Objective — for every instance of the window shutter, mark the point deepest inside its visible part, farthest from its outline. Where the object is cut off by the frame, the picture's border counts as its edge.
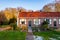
(20, 21)
(34, 21)
(39, 21)
(25, 21)
(50, 21)
(59, 21)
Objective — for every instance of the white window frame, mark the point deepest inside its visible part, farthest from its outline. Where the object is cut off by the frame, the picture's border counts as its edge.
(45, 19)
(38, 21)
(17, 21)
(22, 20)
(54, 19)
(59, 21)
(50, 21)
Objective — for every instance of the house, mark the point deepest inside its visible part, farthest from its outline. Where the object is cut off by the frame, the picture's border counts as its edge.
(34, 19)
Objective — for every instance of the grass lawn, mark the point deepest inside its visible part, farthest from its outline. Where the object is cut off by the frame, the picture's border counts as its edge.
(48, 34)
(12, 35)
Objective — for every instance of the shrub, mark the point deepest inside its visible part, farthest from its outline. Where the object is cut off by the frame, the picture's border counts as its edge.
(44, 25)
(12, 20)
(13, 25)
(5, 22)
(35, 29)
(18, 28)
(24, 28)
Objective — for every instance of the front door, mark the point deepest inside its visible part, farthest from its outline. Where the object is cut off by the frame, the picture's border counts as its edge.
(55, 24)
(29, 24)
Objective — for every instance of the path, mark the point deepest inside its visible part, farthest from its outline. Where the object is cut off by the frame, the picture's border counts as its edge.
(29, 34)
(6, 28)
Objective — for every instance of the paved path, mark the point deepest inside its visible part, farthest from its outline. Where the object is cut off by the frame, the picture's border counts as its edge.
(29, 34)
(6, 28)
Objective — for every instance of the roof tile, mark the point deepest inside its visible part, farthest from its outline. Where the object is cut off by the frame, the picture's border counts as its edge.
(39, 14)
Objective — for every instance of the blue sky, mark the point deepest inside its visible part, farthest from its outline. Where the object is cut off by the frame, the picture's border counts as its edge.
(27, 4)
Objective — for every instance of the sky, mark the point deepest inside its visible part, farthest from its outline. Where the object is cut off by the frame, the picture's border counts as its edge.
(27, 4)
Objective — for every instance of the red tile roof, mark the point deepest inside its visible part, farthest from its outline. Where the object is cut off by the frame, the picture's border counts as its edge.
(39, 14)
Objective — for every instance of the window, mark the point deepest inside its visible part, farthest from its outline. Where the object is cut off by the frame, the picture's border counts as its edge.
(55, 23)
(54, 19)
(36, 21)
(22, 21)
(30, 23)
(59, 21)
(48, 20)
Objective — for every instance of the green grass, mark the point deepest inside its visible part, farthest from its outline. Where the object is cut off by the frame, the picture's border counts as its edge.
(48, 34)
(12, 35)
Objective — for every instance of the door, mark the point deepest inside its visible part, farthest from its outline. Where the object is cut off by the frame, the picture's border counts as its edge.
(55, 24)
(29, 26)
(29, 23)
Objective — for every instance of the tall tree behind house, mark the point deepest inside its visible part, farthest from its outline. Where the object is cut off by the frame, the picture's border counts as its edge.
(52, 7)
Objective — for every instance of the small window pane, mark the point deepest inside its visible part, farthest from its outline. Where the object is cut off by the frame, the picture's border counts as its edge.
(36, 21)
(22, 21)
(47, 20)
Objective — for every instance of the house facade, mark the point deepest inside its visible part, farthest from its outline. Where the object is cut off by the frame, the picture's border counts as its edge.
(34, 19)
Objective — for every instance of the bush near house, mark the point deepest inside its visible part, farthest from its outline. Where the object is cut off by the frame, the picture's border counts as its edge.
(35, 29)
(12, 23)
(44, 26)
(14, 26)
(24, 28)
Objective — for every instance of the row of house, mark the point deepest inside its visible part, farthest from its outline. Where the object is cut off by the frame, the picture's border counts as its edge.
(34, 19)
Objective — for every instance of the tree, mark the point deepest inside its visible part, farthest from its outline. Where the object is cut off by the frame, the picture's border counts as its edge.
(12, 23)
(10, 13)
(2, 17)
(52, 7)
(20, 9)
